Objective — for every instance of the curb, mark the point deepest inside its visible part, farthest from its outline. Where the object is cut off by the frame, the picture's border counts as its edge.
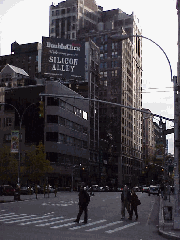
(167, 235)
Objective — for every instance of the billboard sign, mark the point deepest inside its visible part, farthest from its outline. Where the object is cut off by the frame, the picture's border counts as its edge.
(63, 58)
(14, 141)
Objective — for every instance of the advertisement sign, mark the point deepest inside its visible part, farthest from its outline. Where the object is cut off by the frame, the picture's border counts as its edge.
(63, 58)
(14, 141)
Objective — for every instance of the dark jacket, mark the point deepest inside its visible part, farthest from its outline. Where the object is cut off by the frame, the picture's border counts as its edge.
(84, 198)
(128, 196)
(134, 199)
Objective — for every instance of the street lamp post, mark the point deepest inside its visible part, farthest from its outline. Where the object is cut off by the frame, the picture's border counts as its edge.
(20, 124)
(176, 120)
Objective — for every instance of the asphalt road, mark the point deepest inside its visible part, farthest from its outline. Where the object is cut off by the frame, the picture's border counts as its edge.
(52, 218)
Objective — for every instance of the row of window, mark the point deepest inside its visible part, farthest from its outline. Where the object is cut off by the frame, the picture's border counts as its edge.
(60, 103)
(65, 122)
(114, 73)
(6, 122)
(114, 54)
(65, 139)
(64, 159)
(105, 65)
(63, 11)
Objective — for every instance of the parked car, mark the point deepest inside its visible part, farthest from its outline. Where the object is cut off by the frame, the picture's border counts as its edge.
(145, 189)
(8, 190)
(26, 190)
(136, 189)
(95, 188)
(153, 190)
(101, 189)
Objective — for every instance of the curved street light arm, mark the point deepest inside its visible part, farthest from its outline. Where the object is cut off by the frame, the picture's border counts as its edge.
(124, 37)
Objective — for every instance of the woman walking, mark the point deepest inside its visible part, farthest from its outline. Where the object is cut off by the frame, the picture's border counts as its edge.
(134, 203)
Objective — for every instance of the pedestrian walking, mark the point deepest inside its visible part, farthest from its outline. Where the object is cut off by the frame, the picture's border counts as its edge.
(125, 201)
(48, 190)
(162, 190)
(36, 190)
(84, 200)
(55, 191)
(44, 190)
(134, 203)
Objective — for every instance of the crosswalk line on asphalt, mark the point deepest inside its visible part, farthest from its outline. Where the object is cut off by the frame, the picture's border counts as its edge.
(20, 220)
(7, 214)
(67, 224)
(121, 228)
(15, 217)
(51, 223)
(103, 226)
(26, 223)
(39, 221)
(89, 224)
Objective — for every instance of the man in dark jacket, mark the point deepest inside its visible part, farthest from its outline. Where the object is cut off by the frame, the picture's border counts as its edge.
(84, 200)
(125, 199)
(134, 204)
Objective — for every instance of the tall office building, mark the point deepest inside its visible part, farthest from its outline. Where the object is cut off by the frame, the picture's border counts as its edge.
(120, 80)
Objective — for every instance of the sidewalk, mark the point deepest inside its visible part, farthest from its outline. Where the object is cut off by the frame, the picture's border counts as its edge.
(166, 226)
(6, 199)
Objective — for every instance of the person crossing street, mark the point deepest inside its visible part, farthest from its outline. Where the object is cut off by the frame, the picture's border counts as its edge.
(84, 200)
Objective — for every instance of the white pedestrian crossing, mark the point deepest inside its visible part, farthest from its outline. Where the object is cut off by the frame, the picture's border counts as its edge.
(87, 225)
(59, 222)
(104, 226)
(121, 228)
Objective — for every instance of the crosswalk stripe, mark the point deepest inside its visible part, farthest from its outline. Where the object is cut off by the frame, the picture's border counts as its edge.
(121, 228)
(10, 217)
(20, 220)
(67, 224)
(43, 220)
(14, 217)
(64, 225)
(65, 220)
(104, 226)
(46, 224)
(86, 225)
(7, 214)
(26, 223)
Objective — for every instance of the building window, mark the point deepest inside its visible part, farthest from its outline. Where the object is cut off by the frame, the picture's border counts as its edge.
(52, 119)
(52, 101)
(52, 13)
(105, 83)
(114, 54)
(85, 116)
(85, 145)
(62, 11)
(52, 136)
(73, 35)
(69, 107)
(52, 30)
(62, 138)
(7, 137)
(61, 121)
(57, 12)
(101, 56)
(69, 124)
(7, 122)
(105, 74)
(62, 103)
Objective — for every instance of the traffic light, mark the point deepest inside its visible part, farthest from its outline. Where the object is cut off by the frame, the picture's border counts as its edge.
(41, 109)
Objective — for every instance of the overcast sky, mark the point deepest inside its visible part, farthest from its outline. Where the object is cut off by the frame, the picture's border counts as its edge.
(26, 21)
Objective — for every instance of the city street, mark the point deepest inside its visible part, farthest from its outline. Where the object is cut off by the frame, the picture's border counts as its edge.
(52, 218)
